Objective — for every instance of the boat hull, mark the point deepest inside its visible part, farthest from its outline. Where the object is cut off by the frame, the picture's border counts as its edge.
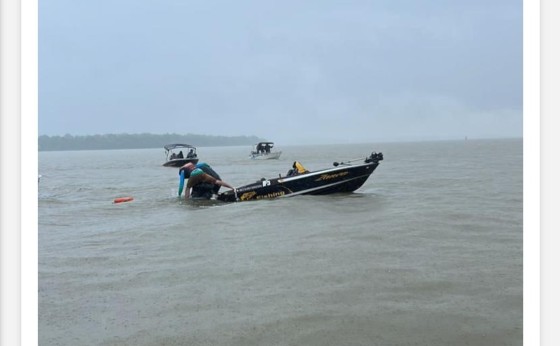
(343, 178)
(265, 156)
(180, 162)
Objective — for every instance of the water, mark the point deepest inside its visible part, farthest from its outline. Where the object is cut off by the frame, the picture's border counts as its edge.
(427, 252)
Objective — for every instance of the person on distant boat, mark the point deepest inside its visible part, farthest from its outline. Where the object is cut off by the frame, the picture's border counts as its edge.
(180, 155)
(173, 156)
(191, 153)
(297, 168)
(267, 148)
(202, 179)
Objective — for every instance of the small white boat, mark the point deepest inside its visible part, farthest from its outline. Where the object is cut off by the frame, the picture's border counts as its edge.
(174, 156)
(263, 151)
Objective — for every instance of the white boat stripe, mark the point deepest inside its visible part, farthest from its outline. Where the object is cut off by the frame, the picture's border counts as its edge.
(323, 186)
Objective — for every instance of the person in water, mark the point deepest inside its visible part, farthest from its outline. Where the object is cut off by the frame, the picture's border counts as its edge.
(202, 179)
(185, 173)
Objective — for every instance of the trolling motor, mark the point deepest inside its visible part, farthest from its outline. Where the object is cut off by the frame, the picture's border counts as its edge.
(374, 157)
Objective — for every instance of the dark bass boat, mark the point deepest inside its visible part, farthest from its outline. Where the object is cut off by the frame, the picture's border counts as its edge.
(343, 177)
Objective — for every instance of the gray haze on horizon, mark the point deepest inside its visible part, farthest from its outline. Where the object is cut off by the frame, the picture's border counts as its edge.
(293, 72)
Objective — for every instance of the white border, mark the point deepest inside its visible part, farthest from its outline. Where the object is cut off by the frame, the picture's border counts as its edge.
(531, 181)
(29, 172)
(10, 178)
(550, 173)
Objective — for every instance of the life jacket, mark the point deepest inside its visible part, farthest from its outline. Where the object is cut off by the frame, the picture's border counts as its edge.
(299, 168)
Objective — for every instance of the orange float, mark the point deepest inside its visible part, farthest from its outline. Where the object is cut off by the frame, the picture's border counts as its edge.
(123, 199)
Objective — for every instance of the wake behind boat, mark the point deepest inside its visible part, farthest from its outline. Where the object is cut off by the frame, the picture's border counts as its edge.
(343, 177)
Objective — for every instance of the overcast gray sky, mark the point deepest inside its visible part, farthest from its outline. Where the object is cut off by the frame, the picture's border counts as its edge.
(295, 72)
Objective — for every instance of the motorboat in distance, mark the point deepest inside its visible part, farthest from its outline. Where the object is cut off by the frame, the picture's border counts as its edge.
(263, 151)
(343, 177)
(176, 155)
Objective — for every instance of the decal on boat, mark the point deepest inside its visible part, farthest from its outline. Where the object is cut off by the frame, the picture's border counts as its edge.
(331, 176)
(247, 195)
(272, 195)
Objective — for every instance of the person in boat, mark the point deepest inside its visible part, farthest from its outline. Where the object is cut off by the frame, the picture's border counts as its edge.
(191, 153)
(202, 179)
(180, 155)
(173, 156)
(267, 148)
(297, 168)
(259, 148)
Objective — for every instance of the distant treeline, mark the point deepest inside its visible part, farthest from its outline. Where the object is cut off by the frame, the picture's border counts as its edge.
(138, 141)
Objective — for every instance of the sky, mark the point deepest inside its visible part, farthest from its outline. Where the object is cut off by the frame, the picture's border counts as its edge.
(294, 72)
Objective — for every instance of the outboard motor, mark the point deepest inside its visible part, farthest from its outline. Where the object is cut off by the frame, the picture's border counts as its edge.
(374, 157)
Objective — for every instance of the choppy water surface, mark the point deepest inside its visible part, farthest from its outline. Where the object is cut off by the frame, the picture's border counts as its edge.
(427, 252)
